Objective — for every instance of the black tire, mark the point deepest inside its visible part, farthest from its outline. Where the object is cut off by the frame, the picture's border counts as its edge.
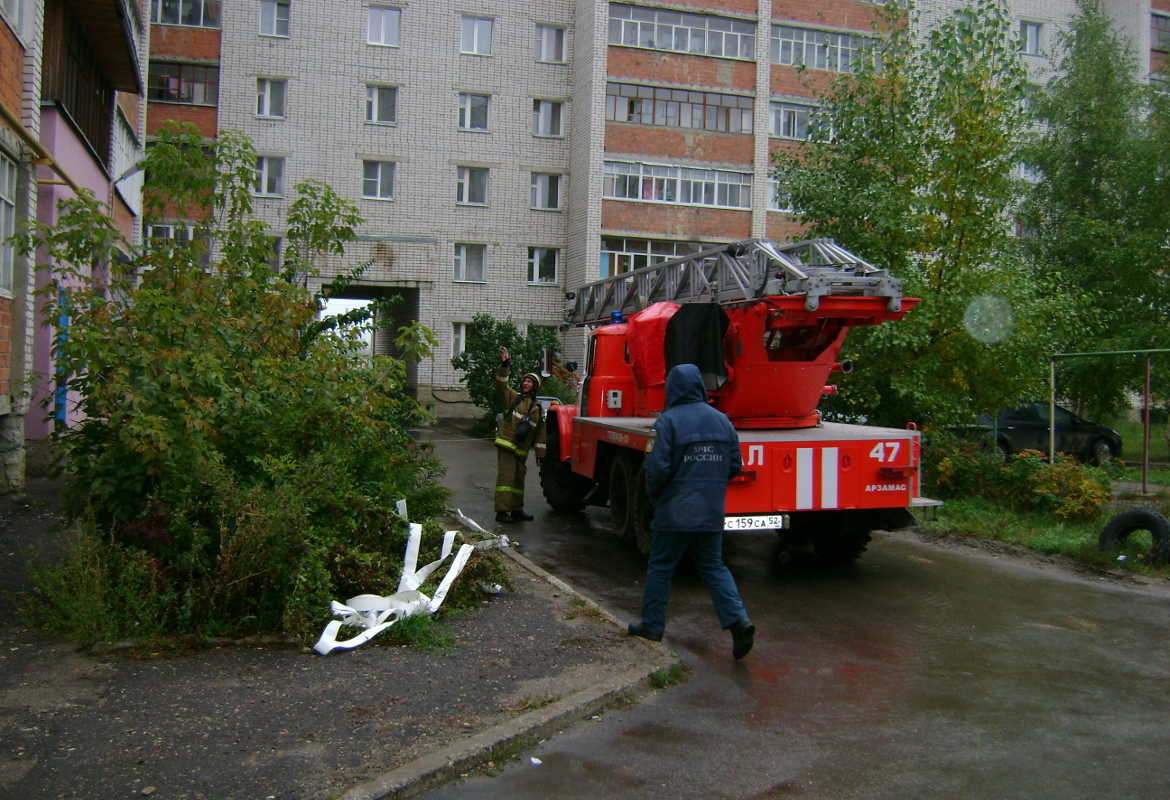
(839, 547)
(1138, 519)
(621, 495)
(563, 489)
(643, 514)
(1101, 452)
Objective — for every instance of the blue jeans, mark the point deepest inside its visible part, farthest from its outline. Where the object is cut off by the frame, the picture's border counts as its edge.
(706, 548)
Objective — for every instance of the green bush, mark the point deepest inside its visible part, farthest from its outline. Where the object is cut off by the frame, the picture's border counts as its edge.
(954, 468)
(237, 464)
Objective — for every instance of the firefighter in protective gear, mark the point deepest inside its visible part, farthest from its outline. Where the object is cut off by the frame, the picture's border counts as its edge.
(521, 429)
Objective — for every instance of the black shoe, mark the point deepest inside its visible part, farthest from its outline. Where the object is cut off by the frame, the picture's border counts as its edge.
(521, 516)
(743, 636)
(504, 516)
(638, 629)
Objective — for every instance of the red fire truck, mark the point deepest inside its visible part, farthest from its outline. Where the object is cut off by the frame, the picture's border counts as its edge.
(765, 323)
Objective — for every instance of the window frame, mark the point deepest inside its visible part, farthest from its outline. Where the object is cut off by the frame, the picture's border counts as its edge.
(543, 29)
(1028, 46)
(650, 251)
(540, 187)
(1160, 34)
(264, 175)
(718, 112)
(690, 32)
(181, 78)
(476, 22)
(466, 109)
(374, 105)
(380, 166)
(540, 117)
(774, 197)
(387, 12)
(276, 6)
(460, 265)
(157, 6)
(534, 264)
(838, 49)
(777, 122)
(645, 182)
(9, 188)
(264, 97)
(464, 185)
(458, 338)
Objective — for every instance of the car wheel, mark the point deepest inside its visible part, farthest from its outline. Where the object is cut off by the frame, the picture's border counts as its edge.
(1101, 453)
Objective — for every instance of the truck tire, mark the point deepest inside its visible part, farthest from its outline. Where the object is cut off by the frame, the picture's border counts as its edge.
(1138, 519)
(840, 547)
(563, 489)
(621, 495)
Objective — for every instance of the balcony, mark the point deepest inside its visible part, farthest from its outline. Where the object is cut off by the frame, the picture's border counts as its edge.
(114, 27)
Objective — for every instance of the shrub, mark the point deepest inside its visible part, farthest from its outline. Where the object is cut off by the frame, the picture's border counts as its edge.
(954, 468)
(237, 465)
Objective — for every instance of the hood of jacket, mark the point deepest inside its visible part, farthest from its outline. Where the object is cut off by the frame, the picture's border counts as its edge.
(684, 384)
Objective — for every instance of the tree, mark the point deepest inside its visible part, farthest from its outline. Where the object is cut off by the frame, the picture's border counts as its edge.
(910, 165)
(480, 359)
(1099, 212)
(237, 466)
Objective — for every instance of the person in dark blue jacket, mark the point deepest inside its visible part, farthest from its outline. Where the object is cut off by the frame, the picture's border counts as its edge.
(695, 454)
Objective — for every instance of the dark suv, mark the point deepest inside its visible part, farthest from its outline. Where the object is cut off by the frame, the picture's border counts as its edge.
(1026, 428)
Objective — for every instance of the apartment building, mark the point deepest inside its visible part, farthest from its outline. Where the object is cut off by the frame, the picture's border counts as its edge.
(72, 119)
(504, 153)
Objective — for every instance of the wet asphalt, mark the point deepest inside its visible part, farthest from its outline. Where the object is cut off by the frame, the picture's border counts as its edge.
(917, 672)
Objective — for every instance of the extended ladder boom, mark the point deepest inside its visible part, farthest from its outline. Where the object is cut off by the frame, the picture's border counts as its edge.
(740, 271)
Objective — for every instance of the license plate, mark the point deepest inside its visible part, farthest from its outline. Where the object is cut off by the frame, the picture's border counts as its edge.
(757, 522)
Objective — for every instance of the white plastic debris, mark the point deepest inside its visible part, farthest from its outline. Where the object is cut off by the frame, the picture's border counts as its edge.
(536, 762)
(375, 613)
(495, 539)
(400, 507)
(1123, 557)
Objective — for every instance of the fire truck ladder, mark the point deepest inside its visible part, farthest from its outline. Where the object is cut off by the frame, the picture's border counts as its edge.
(740, 271)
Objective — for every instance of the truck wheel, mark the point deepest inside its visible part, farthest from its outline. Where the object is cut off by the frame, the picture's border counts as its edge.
(1138, 519)
(840, 547)
(621, 496)
(563, 489)
(1101, 453)
(642, 514)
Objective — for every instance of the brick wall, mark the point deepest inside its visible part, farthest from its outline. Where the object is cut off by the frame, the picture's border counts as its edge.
(833, 13)
(685, 70)
(721, 6)
(674, 222)
(675, 144)
(11, 67)
(202, 117)
(175, 41)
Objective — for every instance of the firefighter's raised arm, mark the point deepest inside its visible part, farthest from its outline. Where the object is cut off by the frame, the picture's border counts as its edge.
(507, 393)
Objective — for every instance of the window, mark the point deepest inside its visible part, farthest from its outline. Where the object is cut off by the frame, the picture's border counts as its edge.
(274, 17)
(1030, 38)
(790, 120)
(678, 108)
(378, 180)
(546, 118)
(778, 199)
(544, 265)
(383, 26)
(1160, 32)
(473, 112)
(14, 10)
(7, 221)
(620, 255)
(469, 262)
(170, 232)
(805, 47)
(545, 192)
(270, 176)
(270, 97)
(477, 36)
(183, 83)
(701, 34)
(458, 338)
(550, 44)
(200, 13)
(471, 186)
(677, 185)
(381, 104)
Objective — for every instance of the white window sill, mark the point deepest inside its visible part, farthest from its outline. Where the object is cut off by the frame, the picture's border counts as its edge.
(267, 196)
(471, 205)
(270, 118)
(548, 136)
(545, 284)
(555, 63)
(380, 124)
(275, 35)
(468, 280)
(382, 199)
(384, 44)
(553, 210)
(469, 53)
(185, 25)
(474, 130)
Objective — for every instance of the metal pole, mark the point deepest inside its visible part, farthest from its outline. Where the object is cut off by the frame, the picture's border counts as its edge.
(1146, 429)
(1052, 411)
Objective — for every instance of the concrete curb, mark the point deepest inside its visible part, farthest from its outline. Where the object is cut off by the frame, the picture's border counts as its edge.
(436, 768)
